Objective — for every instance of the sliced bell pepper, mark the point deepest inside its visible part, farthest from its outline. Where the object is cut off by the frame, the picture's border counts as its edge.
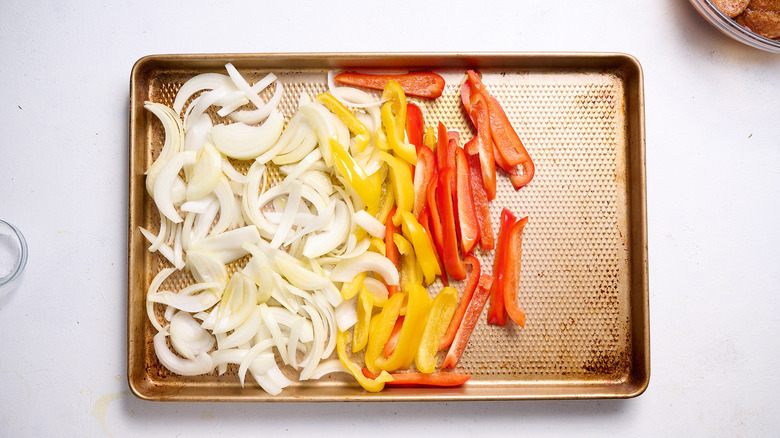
(505, 137)
(391, 251)
(401, 179)
(487, 239)
(365, 186)
(424, 172)
(380, 328)
(365, 305)
(436, 230)
(409, 267)
(465, 299)
(439, 317)
(416, 83)
(479, 113)
(449, 252)
(430, 138)
(411, 331)
(386, 198)
(511, 283)
(355, 126)
(370, 384)
(425, 221)
(393, 114)
(442, 379)
(497, 309)
(349, 290)
(476, 304)
(392, 341)
(415, 126)
(423, 246)
(377, 245)
(445, 149)
(467, 220)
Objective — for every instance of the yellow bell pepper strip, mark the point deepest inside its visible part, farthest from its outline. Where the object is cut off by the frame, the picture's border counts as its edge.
(393, 115)
(411, 332)
(355, 126)
(377, 245)
(391, 251)
(365, 304)
(425, 221)
(386, 201)
(369, 384)
(365, 186)
(349, 290)
(401, 179)
(430, 138)
(439, 317)
(380, 328)
(423, 246)
(442, 379)
(408, 272)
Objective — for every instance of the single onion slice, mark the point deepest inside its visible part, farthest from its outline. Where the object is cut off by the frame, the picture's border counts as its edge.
(369, 261)
(200, 364)
(369, 223)
(247, 142)
(206, 173)
(188, 338)
(164, 183)
(204, 81)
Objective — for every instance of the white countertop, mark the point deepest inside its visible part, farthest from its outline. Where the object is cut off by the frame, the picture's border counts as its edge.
(713, 191)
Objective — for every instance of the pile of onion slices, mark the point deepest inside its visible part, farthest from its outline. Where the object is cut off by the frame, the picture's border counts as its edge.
(263, 260)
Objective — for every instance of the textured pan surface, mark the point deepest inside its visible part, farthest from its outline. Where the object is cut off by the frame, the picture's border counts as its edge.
(584, 269)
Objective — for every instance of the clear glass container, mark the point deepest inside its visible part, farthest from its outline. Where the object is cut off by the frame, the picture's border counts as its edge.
(733, 29)
(13, 256)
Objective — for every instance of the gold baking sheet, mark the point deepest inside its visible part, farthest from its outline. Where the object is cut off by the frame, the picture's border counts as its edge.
(584, 280)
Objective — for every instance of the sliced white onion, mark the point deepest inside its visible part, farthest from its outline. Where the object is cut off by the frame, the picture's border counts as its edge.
(188, 338)
(228, 246)
(164, 183)
(366, 262)
(204, 81)
(369, 223)
(346, 314)
(201, 363)
(205, 174)
(335, 233)
(246, 142)
(260, 114)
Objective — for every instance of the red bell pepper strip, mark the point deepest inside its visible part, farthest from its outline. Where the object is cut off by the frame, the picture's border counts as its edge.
(467, 220)
(436, 229)
(470, 319)
(512, 254)
(478, 111)
(487, 239)
(417, 83)
(508, 143)
(465, 299)
(497, 309)
(452, 261)
(391, 251)
(425, 221)
(424, 172)
(415, 126)
(392, 341)
(422, 379)
(443, 149)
